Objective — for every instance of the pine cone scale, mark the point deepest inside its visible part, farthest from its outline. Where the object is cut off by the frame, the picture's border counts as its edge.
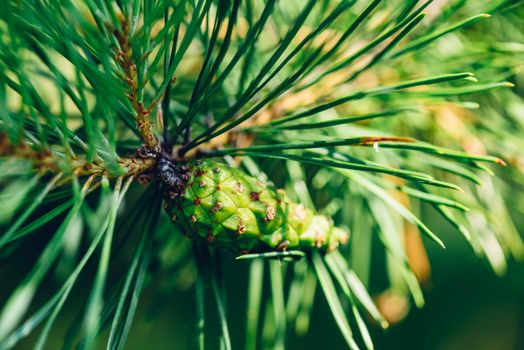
(227, 207)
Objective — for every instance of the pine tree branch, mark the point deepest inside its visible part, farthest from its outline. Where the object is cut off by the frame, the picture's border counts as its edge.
(124, 58)
(45, 160)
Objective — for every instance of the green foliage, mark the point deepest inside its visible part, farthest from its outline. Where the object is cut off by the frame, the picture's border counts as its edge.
(365, 112)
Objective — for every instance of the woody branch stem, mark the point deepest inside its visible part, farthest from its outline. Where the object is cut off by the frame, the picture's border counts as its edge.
(124, 58)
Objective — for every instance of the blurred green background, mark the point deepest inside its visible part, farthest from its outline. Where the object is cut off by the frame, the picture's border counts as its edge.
(467, 307)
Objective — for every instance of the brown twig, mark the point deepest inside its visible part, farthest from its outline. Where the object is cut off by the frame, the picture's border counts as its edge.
(47, 161)
(124, 58)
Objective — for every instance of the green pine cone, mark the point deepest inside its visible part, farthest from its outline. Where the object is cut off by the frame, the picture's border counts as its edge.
(227, 207)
